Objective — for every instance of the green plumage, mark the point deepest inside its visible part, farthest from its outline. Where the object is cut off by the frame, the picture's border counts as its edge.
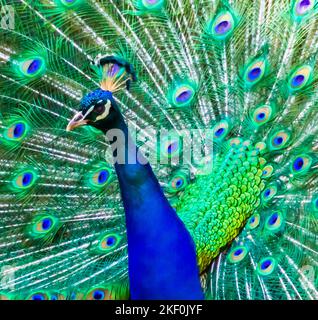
(215, 208)
(246, 71)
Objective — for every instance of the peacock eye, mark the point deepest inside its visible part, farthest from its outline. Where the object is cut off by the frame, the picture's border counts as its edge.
(266, 266)
(108, 242)
(38, 296)
(42, 226)
(237, 254)
(99, 109)
(99, 293)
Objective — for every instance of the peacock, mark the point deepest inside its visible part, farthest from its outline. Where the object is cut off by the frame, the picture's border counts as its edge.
(158, 149)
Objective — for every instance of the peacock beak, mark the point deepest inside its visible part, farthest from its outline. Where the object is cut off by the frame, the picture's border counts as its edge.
(77, 121)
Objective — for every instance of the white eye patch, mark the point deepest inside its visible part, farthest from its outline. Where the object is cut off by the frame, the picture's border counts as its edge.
(106, 112)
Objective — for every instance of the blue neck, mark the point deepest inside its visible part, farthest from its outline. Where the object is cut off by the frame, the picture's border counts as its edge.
(161, 252)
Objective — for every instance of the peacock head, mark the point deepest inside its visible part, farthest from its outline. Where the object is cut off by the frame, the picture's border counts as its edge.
(98, 109)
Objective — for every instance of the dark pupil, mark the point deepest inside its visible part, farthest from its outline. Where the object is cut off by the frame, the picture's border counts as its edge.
(219, 132)
(238, 252)
(305, 3)
(19, 130)
(273, 219)
(298, 80)
(27, 178)
(34, 66)
(179, 182)
(298, 164)
(98, 295)
(265, 264)
(279, 140)
(184, 96)
(222, 27)
(46, 224)
(99, 109)
(110, 241)
(254, 73)
(102, 178)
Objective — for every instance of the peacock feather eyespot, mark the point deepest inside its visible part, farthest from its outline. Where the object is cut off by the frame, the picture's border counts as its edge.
(99, 293)
(300, 78)
(39, 296)
(42, 225)
(267, 171)
(274, 221)
(32, 67)
(235, 142)
(222, 26)
(301, 164)
(178, 183)
(262, 115)
(253, 221)
(260, 146)
(269, 193)
(108, 242)
(237, 254)
(302, 8)
(16, 131)
(100, 177)
(153, 3)
(67, 4)
(24, 179)
(279, 139)
(266, 266)
(170, 146)
(255, 71)
(220, 130)
(182, 93)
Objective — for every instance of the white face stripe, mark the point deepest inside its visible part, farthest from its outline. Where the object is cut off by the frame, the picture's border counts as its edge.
(103, 115)
(106, 112)
(88, 112)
